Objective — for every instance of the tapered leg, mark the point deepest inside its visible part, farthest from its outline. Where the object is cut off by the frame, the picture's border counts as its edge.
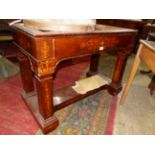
(44, 86)
(131, 76)
(94, 61)
(26, 73)
(115, 85)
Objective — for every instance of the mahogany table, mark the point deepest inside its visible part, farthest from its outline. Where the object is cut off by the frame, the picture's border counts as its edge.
(41, 51)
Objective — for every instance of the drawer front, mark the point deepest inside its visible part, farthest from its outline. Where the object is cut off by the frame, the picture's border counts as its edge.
(64, 47)
(83, 45)
(39, 48)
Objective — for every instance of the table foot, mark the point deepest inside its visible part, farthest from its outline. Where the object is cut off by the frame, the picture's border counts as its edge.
(114, 90)
(49, 124)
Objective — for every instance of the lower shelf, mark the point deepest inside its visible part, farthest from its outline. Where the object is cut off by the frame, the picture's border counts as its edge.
(61, 99)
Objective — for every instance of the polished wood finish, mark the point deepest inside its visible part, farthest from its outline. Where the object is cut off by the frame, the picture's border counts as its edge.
(45, 50)
(146, 53)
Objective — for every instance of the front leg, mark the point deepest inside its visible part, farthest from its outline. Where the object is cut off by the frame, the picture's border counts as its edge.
(44, 86)
(115, 86)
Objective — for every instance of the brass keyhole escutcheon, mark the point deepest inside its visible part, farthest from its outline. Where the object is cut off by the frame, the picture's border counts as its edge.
(101, 48)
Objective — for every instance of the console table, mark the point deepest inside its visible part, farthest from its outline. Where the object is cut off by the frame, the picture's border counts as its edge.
(41, 51)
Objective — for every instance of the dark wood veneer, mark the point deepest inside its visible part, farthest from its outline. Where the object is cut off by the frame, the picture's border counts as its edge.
(40, 52)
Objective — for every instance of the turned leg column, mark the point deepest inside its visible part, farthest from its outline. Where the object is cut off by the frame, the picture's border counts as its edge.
(115, 85)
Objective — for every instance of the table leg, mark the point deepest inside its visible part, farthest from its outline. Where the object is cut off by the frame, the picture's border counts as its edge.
(131, 75)
(26, 73)
(115, 85)
(152, 86)
(94, 61)
(44, 86)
